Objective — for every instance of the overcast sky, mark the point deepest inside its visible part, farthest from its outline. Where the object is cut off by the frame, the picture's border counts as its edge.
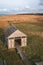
(21, 6)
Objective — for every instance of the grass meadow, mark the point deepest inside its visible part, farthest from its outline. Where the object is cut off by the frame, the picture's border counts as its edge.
(34, 31)
(34, 48)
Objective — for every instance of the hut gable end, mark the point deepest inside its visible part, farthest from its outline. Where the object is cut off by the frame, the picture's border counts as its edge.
(17, 33)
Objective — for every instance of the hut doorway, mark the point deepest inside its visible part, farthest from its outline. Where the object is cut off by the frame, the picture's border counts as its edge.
(18, 41)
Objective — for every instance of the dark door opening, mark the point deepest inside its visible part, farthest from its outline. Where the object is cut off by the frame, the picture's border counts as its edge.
(18, 42)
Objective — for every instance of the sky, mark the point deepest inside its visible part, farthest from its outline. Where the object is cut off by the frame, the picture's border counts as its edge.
(21, 6)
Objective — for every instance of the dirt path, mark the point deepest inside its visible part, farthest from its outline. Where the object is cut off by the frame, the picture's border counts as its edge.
(23, 56)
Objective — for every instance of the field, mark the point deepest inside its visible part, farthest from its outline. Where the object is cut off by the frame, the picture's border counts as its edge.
(34, 32)
(11, 57)
(19, 18)
(34, 49)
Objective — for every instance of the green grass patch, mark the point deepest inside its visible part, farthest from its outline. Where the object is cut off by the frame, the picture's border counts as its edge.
(30, 27)
(11, 57)
(34, 49)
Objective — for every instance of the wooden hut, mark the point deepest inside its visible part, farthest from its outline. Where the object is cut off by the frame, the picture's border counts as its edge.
(15, 37)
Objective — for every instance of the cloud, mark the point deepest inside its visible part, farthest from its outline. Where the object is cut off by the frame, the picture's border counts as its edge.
(16, 9)
(9, 10)
(26, 8)
(4, 10)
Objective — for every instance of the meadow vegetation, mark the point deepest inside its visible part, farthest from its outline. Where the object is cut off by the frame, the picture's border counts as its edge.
(34, 49)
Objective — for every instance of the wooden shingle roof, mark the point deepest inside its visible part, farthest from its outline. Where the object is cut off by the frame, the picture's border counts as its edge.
(10, 30)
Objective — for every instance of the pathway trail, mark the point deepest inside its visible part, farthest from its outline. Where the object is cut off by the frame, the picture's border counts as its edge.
(23, 56)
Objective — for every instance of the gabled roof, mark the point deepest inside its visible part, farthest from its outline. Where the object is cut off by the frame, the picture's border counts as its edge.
(10, 30)
(17, 33)
(13, 32)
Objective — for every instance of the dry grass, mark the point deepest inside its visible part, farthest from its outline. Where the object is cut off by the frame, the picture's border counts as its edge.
(19, 18)
(34, 49)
